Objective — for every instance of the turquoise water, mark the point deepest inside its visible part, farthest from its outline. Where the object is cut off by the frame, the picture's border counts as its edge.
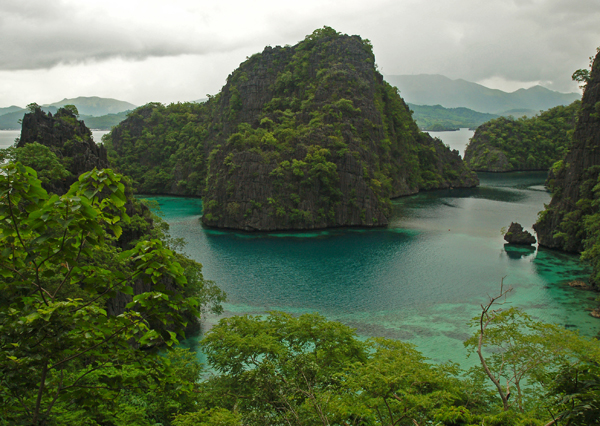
(421, 279)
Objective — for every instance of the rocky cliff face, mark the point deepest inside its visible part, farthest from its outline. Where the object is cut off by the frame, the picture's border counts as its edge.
(300, 137)
(66, 137)
(574, 181)
(504, 144)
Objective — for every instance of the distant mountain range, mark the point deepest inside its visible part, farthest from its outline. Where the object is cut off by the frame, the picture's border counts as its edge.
(439, 103)
(438, 118)
(433, 89)
(97, 113)
(94, 105)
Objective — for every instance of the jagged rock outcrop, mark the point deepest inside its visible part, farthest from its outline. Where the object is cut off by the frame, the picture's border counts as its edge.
(301, 137)
(71, 141)
(573, 180)
(66, 137)
(536, 143)
(570, 221)
(517, 235)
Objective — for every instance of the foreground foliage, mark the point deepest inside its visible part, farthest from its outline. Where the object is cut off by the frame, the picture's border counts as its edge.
(59, 269)
(67, 359)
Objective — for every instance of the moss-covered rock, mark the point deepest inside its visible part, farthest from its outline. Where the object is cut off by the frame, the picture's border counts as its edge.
(571, 221)
(300, 137)
(68, 139)
(517, 235)
(505, 144)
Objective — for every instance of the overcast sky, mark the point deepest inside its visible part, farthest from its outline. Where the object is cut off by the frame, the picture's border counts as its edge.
(180, 50)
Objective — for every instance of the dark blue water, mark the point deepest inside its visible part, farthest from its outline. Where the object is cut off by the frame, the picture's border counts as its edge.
(421, 279)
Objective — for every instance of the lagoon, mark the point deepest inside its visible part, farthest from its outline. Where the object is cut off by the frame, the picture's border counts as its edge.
(421, 279)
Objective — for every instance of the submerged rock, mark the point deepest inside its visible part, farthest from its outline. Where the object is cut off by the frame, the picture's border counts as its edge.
(579, 284)
(518, 252)
(517, 235)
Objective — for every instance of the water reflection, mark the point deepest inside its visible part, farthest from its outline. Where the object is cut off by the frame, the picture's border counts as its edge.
(518, 252)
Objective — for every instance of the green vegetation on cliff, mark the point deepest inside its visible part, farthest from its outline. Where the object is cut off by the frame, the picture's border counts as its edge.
(571, 221)
(162, 148)
(536, 143)
(300, 137)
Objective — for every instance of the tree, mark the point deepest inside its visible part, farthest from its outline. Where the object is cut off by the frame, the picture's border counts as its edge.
(576, 393)
(72, 109)
(399, 386)
(521, 356)
(40, 158)
(583, 75)
(33, 107)
(58, 269)
(281, 369)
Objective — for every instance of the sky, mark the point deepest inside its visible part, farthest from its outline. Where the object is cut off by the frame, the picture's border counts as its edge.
(182, 50)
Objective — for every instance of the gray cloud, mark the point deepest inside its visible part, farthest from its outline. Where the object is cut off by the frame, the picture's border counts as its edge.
(130, 46)
(520, 41)
(38, 35)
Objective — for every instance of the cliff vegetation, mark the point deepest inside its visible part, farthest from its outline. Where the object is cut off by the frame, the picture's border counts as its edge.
(571, 221)
(505, 144)
(436, 118)
(300, 137)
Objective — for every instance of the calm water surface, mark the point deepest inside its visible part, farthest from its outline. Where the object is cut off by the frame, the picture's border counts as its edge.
(421, 279)
(7, 137)
(455, 140)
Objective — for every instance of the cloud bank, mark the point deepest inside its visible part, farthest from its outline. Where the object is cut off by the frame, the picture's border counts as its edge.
(191, 46)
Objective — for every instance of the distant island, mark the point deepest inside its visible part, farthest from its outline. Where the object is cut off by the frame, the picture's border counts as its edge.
(437, 118)
(97, 113)
(506, 144)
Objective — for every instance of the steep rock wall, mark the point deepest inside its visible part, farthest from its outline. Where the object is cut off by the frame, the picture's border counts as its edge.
(561, 225)
(68, 138)
(301, 137)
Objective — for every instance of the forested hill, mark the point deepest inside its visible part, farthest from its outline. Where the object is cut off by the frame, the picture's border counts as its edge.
(425, 89)
(506, 144)
(300, 137)
(437, 118)
(95, 106)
